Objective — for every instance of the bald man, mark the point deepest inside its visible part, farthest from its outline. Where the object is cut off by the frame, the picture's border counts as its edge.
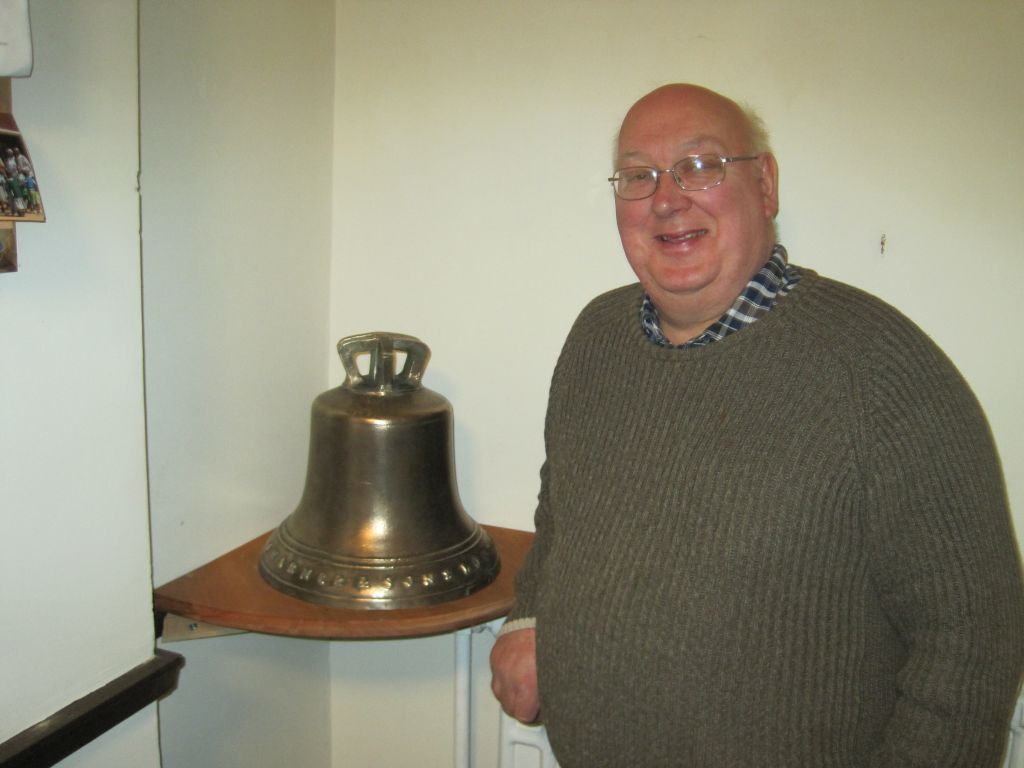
(772, 527)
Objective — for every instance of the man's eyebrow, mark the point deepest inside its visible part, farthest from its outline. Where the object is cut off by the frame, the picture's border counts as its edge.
(683, 149)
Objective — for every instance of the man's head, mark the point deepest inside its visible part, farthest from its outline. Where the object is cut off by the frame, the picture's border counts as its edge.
(694, 251)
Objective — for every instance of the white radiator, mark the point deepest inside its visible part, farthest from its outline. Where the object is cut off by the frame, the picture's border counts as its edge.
(524, 746)
(519, 746)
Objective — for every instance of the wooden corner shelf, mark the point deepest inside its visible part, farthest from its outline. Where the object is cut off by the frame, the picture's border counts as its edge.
(229, 592)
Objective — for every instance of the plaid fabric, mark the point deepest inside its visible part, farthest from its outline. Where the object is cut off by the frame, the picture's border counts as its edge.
(775, 279)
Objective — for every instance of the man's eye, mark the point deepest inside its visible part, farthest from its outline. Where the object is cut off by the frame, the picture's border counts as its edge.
(702, 163)
(636, 176)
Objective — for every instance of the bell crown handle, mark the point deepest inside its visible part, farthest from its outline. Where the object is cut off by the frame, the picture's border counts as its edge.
(381, 377)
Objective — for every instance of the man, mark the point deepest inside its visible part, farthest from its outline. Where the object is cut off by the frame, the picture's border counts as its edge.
(772, 528)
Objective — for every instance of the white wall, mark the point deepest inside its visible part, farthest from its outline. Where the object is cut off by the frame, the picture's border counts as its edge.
(248, 701)
(236, 144)
(472, 143)
(75, 575)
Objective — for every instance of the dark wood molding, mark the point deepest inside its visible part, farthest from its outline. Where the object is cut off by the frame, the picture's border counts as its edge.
(51, 740)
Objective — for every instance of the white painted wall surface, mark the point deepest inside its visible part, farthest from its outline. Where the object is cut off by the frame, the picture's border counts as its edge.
(75, 597)
(248, 701)
(236, 145)
(472, 143)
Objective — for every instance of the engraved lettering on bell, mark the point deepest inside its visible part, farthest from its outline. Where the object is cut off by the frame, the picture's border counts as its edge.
(381, 505)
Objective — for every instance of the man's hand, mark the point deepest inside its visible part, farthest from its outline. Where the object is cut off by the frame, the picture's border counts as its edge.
(514, 674)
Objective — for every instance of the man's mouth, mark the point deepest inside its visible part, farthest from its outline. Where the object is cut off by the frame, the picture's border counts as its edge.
(693, 234)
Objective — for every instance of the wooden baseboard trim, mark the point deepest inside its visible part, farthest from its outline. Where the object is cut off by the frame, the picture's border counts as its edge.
(51, 740)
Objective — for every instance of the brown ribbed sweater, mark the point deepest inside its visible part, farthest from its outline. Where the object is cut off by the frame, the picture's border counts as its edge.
(789, 548)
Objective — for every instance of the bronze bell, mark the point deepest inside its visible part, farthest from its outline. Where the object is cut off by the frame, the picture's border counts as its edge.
(380, 524)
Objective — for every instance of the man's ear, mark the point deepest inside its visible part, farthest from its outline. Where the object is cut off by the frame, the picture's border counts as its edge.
(770, 184)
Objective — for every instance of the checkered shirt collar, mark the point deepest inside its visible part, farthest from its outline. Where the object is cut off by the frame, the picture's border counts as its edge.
(776, 278)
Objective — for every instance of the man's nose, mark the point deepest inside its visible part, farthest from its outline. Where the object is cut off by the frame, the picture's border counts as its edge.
(668, 196)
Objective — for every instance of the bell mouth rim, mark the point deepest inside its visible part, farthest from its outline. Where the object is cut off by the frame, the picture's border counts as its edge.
(380, 583)
(376, 603)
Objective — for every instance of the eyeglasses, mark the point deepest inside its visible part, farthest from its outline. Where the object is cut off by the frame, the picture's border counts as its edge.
(692, 173)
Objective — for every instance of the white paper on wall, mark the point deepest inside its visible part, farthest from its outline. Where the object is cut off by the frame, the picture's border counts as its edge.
(15, 39)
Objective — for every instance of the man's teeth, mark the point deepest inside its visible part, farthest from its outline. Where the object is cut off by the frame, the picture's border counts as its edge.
(681, 238)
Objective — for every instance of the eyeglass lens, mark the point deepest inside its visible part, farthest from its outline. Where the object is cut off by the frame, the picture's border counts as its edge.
(692, 173)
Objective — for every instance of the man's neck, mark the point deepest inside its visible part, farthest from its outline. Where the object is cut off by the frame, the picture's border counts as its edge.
(682, 332)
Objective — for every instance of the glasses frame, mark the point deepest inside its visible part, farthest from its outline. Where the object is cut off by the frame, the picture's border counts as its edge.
(658, 173)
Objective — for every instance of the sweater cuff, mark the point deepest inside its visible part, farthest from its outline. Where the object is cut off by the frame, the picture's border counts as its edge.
(514, 625)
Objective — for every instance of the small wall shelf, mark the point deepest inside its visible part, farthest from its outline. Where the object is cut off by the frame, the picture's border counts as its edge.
(229, 592)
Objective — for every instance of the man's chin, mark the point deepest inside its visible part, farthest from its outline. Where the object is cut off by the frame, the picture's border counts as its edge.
(678, 284)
